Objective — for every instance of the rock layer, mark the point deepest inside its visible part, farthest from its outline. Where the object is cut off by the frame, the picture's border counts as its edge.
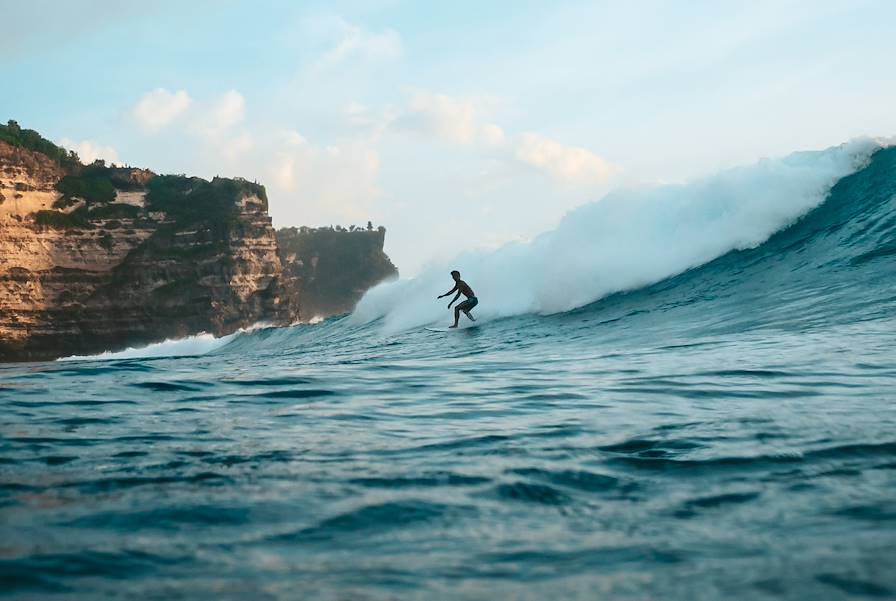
(96, 258)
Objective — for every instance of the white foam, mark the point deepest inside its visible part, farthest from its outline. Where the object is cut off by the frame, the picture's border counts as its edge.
(182, 347)
(626, 240)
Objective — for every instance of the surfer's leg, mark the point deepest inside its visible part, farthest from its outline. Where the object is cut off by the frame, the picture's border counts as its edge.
(468, 305)
(456, 317)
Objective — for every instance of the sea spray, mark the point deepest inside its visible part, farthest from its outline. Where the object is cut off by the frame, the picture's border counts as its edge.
(629, 238)
(199, 344)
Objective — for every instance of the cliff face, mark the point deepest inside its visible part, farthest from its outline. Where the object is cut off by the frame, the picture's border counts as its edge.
(326, 271)
(96, 258)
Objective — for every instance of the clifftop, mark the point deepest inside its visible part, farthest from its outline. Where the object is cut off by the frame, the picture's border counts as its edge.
(28, 139)
(30, 163)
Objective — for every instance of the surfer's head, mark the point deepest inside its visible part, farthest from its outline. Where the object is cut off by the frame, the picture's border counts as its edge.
(455, 274)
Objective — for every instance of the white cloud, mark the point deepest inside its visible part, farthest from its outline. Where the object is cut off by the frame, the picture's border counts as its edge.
(221, 114)
(451, 119)
(283, 172)
(158, 108)
(89, 151)
(459, 121)
(292, 137)
(238, 146)
(349, 41)
(363, 121)
(491, 134)
(324, 184)
(565, 163)
(355, 109)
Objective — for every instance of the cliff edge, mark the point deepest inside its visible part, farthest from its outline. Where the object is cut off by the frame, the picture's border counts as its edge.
(96, 257)
(327, 270)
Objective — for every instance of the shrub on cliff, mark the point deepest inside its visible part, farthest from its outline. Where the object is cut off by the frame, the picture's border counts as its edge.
(191, 199)
(62, 221)
(14, 135)
(94, 188)
(115, 210)
(186, 199)
(126, 178)
(96, 183)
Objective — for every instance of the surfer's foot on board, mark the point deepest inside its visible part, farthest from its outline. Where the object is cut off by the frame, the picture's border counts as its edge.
(454, 326)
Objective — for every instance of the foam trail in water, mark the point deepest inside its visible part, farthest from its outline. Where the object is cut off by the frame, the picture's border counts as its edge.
(183, 347)
(626, 240)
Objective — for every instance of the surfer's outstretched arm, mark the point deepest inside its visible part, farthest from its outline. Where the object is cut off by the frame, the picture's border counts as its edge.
(449, 292)
(454, 300)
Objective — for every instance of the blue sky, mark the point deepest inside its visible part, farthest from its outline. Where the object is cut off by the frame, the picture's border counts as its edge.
(456, 125)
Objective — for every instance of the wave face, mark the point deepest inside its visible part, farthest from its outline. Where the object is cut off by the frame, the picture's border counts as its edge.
(698, 405)
(627, 240)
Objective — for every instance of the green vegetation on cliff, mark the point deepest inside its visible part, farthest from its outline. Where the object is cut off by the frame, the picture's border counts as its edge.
(96, 183)
(191, 199)
(93, 188)
(62, 221)
(186, 201)
(83, 217)
(29, 139)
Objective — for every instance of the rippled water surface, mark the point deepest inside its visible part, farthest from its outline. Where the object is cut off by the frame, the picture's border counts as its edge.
(727, 433)
(515, 459)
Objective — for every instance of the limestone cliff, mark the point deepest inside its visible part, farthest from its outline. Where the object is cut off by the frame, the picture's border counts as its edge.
(96, 257)
(327, 270)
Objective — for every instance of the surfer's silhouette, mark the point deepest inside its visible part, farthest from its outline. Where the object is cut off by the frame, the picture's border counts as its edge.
(461, 287)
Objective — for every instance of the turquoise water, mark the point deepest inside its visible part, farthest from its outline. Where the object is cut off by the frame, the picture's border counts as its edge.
(726, 433)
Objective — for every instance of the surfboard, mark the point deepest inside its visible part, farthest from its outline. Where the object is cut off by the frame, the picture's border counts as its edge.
(447, 329)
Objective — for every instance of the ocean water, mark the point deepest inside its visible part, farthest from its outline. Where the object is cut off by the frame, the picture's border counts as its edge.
(719, 424)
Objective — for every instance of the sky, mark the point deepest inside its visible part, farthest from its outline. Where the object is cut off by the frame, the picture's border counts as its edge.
(456, 125)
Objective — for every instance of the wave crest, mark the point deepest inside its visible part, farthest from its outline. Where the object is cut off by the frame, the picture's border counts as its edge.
(626, 240)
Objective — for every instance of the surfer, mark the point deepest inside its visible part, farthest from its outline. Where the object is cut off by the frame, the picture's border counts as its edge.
(466, 306)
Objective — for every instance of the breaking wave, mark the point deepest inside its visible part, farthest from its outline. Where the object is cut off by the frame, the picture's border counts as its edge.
(628, 239)
(181, 347)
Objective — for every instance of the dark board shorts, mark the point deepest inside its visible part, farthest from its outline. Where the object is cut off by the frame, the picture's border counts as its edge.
(468, 304)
